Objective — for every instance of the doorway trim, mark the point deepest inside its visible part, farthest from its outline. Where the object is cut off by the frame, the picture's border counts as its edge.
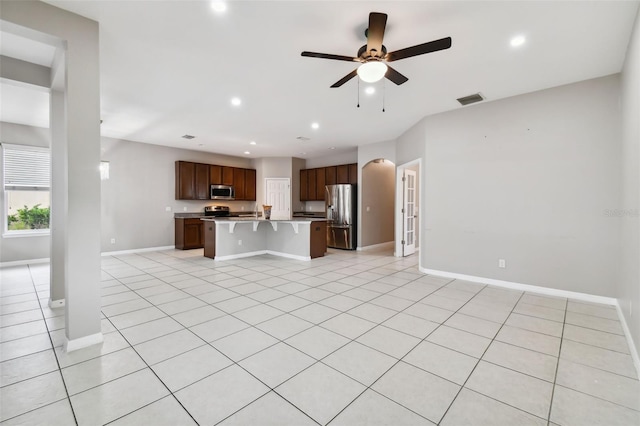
(288, 193)
(399, 204)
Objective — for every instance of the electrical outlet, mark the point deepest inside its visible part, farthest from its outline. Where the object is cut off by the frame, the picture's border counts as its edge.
(167, 209)
(368, 208)
(113, 241)
(184, 209)
(502, 263)
(239, 242)
(242, 208)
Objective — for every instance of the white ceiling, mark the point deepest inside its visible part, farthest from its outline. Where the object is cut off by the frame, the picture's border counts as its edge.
(171, 67)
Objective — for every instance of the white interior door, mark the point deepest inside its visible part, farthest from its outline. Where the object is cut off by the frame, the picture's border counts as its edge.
(278, 195)
(409, 213)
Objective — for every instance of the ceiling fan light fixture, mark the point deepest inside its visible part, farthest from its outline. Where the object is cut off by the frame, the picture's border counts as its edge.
(372, 71)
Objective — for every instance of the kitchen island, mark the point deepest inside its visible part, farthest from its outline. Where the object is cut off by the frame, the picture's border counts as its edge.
(233, 238)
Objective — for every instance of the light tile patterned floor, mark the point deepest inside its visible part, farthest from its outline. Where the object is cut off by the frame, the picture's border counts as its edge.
(354, 338)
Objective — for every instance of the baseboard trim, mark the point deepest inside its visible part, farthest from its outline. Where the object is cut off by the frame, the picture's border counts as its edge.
(524, 287)
(259, 252)
(54, 304)
(289, 256)
(83, 342)
(139, 250)
(24, 262)
(241, 255)
(388, 244)
(632, 346)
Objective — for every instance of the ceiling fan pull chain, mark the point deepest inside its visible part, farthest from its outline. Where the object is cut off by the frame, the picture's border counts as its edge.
(384, 93)
(358, 92)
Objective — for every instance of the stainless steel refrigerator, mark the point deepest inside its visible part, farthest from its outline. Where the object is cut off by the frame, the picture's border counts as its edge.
(340, 203)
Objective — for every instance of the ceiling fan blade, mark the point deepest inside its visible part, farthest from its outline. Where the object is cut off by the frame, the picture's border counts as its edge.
(375, 32)
(420, 49)
(329, 56)
(346, 78)
(395, 76)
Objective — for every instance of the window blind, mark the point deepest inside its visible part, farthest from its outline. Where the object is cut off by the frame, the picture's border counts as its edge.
(26, 167)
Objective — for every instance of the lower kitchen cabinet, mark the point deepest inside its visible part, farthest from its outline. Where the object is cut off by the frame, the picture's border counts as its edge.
(318, 238)
(189, 233)
(210, 239)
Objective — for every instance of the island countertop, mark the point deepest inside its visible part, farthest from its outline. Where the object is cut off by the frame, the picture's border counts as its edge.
(261, 219)
(228, 238)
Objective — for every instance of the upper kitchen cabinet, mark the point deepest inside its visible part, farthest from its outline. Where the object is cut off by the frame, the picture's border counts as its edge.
(193, 180)
(330, 175)
(250, 185)
(353, 173)
(227, 175)
(215, 175)
(313, 181)
(304, 185)
(185, 180)
(320, 183)
(238, 183)
(342, 174)
(202, 182)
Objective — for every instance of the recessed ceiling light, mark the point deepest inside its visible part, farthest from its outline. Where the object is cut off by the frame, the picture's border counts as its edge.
(518, 41)
(247, 153)
(370, 90)
(236, 101)
(252, 143)
(219, 6)
(200, 144)
(332, 147)
(303, 153)
(315, 126)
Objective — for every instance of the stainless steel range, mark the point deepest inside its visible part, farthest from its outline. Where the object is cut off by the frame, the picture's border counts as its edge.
(217, 211)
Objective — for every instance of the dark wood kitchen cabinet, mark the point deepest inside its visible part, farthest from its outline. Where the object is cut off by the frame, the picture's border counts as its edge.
(342, 174)
(313, 181)
(185, 180)
(189, 233)
(215, 175)
(202, 182)
(311, 184)
(193, 180)
(330, 175)
(318, 238)
(304, 185)
(320, 183)
(250, 184)
(227, 175)
(238, 183)
(210, 239)
(353, 173)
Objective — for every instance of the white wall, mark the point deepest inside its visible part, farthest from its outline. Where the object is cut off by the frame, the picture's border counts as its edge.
(20, 248)
(141, 186)
(629, 281)
(527, 179)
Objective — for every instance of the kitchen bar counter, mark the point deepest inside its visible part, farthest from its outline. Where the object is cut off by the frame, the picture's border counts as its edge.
(232, 238)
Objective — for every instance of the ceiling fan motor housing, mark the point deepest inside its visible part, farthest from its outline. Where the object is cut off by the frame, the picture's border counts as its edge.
(363, 50)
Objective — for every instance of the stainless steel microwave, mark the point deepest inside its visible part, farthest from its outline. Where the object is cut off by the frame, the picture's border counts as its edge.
(222, 192)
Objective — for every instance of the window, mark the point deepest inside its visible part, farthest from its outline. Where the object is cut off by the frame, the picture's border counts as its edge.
(27, 177)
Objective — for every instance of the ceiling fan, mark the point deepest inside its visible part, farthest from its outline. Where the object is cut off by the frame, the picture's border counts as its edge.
(374, 56)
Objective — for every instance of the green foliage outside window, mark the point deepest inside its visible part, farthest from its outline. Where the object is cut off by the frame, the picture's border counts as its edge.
(35, 217)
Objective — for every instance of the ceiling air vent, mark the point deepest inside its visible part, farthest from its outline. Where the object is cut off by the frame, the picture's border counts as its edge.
(471, 99)
(188, 137)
